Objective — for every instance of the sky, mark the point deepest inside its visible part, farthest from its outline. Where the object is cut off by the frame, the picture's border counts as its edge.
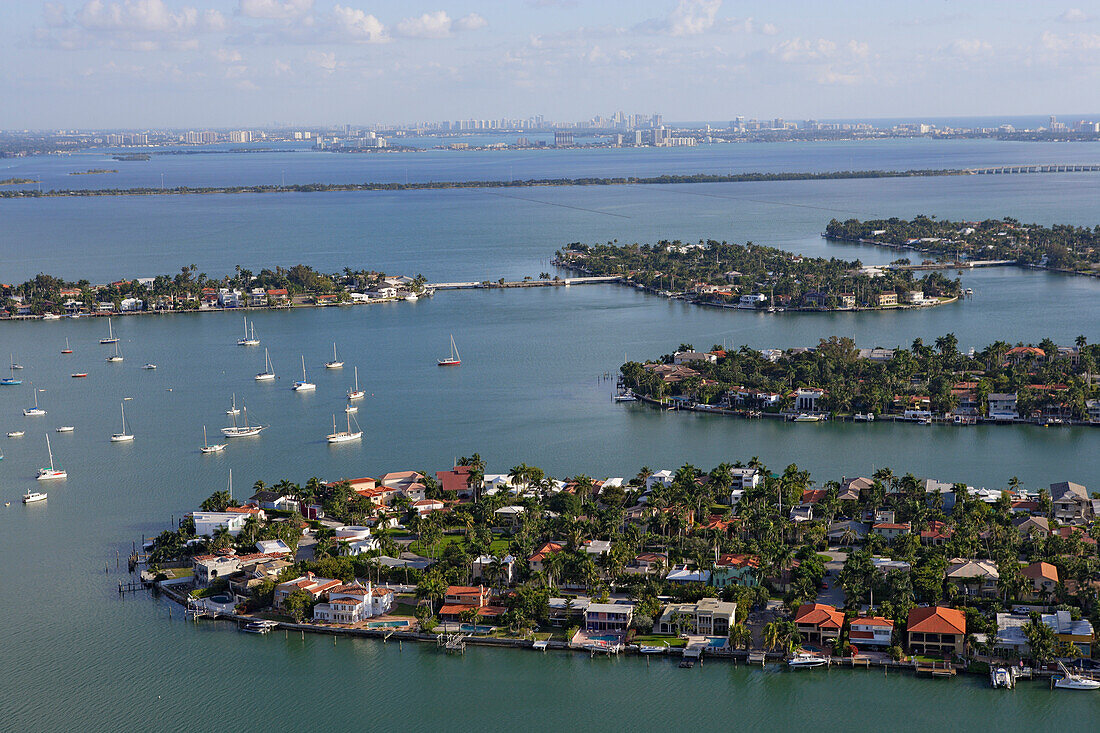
(85, 64)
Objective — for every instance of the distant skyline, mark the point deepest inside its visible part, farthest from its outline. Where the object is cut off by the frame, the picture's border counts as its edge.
(251, 63)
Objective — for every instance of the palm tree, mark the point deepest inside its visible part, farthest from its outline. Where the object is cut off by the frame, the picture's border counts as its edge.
(773, 635)
(740, 636)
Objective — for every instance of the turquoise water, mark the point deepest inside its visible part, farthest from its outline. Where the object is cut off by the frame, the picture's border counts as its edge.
(529, 389)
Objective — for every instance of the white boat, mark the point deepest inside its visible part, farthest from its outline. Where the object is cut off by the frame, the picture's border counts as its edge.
(15, 434)
(242, 431)
(454, 359)
(805, 660)
(803, 417)
(860, 417)
(335, 363)
(206, 447)
(66, 350)
(123, 437)
(32, 496)
(625, 396)
(350, 408)
(111, 338)
(233, 409)
(355, 393)
(303, 385)
(249, 338)
(342, 436)
(412, 297)
(268, 373)
(117, 355)
(1070, 681)
(35, 411)
(53, 472)
(51, 317)
(65, 429)
(648, 649)
(150, 365)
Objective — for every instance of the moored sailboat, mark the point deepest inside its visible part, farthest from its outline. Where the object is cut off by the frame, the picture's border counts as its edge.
(268, 373)
(303, 385)
(242, 431)
(111, 338)
(454, 359)
(207, 447)
(249, 338)
(335, 363)
(53, 472)
(123, 436)
(355, 393)
(344, 436)
(35, 411)
(11, 381)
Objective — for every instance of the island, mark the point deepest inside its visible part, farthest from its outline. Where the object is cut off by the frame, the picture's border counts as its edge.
(92, 172)
(1044, 384)
(18, 181)
(756, 277)
(1060, 247)
(917, 574)
(132, 157)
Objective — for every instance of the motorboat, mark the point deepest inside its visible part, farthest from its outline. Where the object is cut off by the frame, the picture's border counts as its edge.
(805, 660)
(1069, 681)
(259, 627)
(78, 375)
(32, 496)
(111, 338)
(64, 429)
(268, 373)
(804, 417)
(207, 447)
(355, 393)
(650, 649)
(335, 363)
(15, 434)
(51, 317)
(454, 359)
(150, 365)
(861, 417)
(124, 436)
(625, 396)
(249, 338)
(53, 472)
(344, 436)
(303, 385)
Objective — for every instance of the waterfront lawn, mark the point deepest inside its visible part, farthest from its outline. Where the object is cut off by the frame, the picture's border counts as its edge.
(174, 573)
(659, 640)
(403, 609)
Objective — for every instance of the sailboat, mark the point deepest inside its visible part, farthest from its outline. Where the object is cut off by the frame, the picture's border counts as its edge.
(35, 411)
(249, 338)
(117, 356)
(344, 437)
(350, 408)
(53, 472)
(123, 437)
(66, 350)
(233, 409)
(268, 373)
(11, 381)
(355, 393)
(242, 431)
(454, 359)
(335, 363)
(206, 447)
(302, 385)
(111, 338)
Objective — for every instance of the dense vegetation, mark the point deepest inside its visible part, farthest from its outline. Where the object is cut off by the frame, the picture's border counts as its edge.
(736, 269)
(1061, 246)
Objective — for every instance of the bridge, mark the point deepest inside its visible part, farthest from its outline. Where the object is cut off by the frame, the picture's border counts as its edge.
(1032, 168)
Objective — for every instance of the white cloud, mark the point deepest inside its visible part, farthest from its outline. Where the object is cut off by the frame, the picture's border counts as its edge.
(358, 25)
(692, 17)
(323, 60)
(428, 25)
(1070, 41)
(227, 56)
(274, 9)
(470, 22)
(136, 16)
(1074, 15)
(858, 49)
(970, 47)
(798, 50)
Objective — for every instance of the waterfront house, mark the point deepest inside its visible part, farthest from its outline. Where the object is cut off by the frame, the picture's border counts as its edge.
(974, 577)
(1002, 406)
(1072, 504)
(883, 300)
(278, 296)
(1011, 637)
(686, 357)
(568, 611)
(229, 298)
(735, 569)
(818, 623)
(936, 630)
(535, 562)
(309, 582)
(608, 616)
(353, 602)
(1043, 577)
(890, 531)
(273, 501)
(257, 298)
(208, 568)
(233, 519)
(672, 373)
(871, 631)
(707, 616)
(456, 480)
(483, 567)
(686, 575)
(1093, 407)
(847, 300)
(807, 399)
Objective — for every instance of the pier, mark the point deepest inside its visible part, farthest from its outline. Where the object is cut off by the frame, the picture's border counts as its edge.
(1031, 168)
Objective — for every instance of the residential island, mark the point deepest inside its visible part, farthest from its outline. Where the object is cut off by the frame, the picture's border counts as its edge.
(1046, 384)
(1061, 247)
(756, 277)
(737, 562)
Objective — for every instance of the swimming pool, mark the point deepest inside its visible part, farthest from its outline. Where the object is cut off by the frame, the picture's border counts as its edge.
(386, 624)
(717, 642)
(609, 638)
(475, 629)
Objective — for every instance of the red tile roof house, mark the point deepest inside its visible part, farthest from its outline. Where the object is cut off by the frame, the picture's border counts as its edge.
(936, 630)
(1043, 577)
(937, 534)
(818, 623)
(870, 631)
(535, 561)
(456, 480)
(309, 582)
(460, 598)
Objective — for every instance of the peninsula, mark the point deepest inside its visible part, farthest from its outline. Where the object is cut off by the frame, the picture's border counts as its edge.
(753, 276)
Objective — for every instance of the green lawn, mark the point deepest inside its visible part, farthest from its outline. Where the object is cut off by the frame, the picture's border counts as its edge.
(658, 640)
(403, 609)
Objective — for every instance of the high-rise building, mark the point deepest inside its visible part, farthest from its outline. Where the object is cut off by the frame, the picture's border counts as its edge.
(563, 138)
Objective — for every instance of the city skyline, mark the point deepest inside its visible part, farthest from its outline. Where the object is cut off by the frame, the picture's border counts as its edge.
(249, 63)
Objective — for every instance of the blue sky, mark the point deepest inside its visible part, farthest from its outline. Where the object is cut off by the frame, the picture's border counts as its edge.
(138, 63)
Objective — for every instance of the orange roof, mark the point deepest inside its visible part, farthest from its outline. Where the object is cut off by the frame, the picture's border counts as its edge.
(465, 590)
(937, 620)
(819, 614)
(739, 561)
(1028, 350)
(547, 549)
(872, 621)
(1037, 570)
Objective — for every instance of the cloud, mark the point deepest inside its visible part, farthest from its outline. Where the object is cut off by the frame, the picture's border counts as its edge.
(142, 16)
(134, 25)
(358, 26)
(323, 60)
(274, 9)
(692, 17)
(1070, 41)
(471, 22)
(798, 50)
(227, 56)
(428, 25)
(55, 15)
(1074, 15)
(858, 49)
(969, 47)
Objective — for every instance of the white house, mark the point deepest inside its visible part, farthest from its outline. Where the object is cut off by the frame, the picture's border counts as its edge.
(871, 631)
(229, 298)
(663, 477)
(806, 400)
(351, 603)
(129, 305)
(1002, 406)
(686, 357)
(752, 300)
(272, 546)
(480, 566)
(207, 523)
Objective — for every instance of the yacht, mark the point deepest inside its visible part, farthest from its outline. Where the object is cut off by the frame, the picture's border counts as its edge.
(454, 359)
(625, 396)
(150, 365)
(335, 363)
(206, 447)
(117, 355)
(64, 429)
(302, 385)
(111, 338)
(32, 496)
(242, 431)
(860, 417)
(15, 434)
(35, 411)
(355, 393)
(233, 409)
(53, 472)
(123, 437)
(51, 317)
(66, 350)
(804, 417)
(11, 381)
(78, 375)
(268, 373)
(805, 659)
(249, 338)
(1069, 681)
(344, 437)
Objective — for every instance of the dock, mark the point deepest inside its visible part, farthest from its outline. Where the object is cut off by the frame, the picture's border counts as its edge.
(935, 669)
(452, 643)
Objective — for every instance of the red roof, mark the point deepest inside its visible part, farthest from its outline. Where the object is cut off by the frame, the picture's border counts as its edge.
(820, 615)
(738, 561)
(548, 548)
(812, 496)
(872, 621)
(937, 620)
(457, 479)
(1037, 570)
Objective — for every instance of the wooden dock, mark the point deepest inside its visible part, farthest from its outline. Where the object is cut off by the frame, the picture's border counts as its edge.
(935, 669)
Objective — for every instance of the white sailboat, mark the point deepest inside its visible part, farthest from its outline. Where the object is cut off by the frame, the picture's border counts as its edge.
(66, 350)
(111, 338)
(206, 447)
(249, 338)
(303, 385)
(335, 363)
(454, 359)
(53, 472)
(233, 409)
(242, 431)
(11, 381)
(268, 373)
(35, 411)
(117, 355)
(124, 436)
(344, 436)
(355, 393)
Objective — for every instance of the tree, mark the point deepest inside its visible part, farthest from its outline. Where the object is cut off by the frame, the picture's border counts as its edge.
(1040, 638)
(740, 636)
(298, 604)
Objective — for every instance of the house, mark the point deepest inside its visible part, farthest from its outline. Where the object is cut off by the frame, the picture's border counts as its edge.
(1002, 406)
(1033, 526)
(871, 631)
(233, 518)
(1011, 636)
(735, 569)
(936, 630)
(707, 616)
(647, 563)
(130, 305)
(456, 480)
(686, 357)
(228, 298)
(672, 373)
(1043, 577)
(852, 488)
(847, 300)
(887, 565)
(937, 534)
(685, 575)
(1072, 504)
(974, 577)
(746, 478)
(273, 501)
(802, 513)
(459, 599)
(818, 623)
(309, 582)
(351, 603)
(273, 547)
(608, 616)
(1093, 407)
(915, 297)
(277, 296)
(569, 611)
(208, 568)
(847, 531)
(485, 566)
(945, 491)
(535, 562)
(806, 399)
(1023, 354)
(886, 299)
(890, 531)
(597, 547)
(427, 506)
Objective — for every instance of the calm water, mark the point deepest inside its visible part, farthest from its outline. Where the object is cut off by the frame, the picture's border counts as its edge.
(528, 390)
